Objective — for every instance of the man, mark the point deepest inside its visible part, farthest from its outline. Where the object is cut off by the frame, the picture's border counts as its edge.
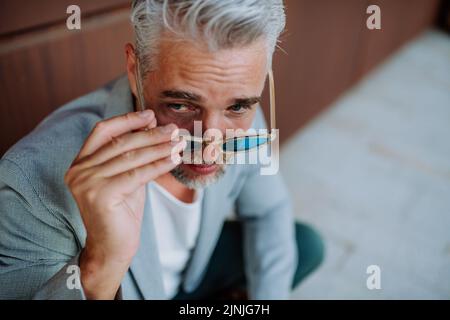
(94, 205)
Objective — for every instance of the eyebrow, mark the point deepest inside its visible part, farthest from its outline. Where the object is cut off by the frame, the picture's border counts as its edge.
(185, 95)
(189, 96)
(247, 101)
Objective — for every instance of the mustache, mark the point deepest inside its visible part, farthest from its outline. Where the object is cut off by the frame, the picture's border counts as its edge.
(208, 154)
(195, 182)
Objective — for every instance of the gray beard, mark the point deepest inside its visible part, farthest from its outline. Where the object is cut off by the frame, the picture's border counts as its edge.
(197, 182)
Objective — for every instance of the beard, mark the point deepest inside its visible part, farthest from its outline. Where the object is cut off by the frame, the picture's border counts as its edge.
(197, 181)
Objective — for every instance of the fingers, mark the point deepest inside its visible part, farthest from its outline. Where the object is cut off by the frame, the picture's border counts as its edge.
(126, 143)
(131, 180)
(151, 125)
(136, 158)
(104, 131)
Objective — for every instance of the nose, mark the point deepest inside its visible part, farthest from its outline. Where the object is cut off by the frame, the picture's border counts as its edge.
(213, 120)
(214, 125)
(214, 128)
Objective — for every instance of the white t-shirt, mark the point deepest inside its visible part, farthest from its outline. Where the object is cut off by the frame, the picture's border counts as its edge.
(177, 225)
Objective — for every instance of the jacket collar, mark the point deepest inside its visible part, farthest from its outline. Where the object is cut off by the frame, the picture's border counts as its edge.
(120, 100)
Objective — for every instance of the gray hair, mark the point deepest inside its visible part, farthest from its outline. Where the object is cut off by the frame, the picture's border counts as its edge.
(221, 24)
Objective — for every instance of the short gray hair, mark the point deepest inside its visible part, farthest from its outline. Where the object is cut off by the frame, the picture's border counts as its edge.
(221, 24)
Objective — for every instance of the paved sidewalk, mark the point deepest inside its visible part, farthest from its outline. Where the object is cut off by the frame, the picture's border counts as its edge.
(372, 174)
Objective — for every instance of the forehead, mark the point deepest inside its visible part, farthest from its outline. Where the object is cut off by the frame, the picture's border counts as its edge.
(184, 63)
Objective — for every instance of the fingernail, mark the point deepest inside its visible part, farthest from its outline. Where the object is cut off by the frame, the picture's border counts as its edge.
(168, 128)
(152, 124)
(146, 113)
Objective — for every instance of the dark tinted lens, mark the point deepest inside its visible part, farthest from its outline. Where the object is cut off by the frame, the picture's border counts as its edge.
(244, 143)
(193, 146)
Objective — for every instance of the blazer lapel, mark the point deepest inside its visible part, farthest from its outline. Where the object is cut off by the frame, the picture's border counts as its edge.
(146, 266)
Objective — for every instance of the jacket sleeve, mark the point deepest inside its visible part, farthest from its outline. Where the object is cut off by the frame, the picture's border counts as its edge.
(64, 285)
(38, 252)
(270, 253)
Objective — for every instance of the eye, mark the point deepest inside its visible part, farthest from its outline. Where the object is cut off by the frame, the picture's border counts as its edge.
(178, 107)
(239, 108)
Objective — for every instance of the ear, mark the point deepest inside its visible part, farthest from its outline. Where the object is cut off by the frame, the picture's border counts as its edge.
(131, 67)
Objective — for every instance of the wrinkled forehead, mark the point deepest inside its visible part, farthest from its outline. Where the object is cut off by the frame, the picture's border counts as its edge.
(194, 63)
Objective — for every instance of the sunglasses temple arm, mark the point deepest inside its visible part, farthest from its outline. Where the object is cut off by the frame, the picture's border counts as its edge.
(140, 94)
(272, 101)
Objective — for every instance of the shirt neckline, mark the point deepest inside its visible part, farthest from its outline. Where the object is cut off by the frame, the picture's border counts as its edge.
(197, 196)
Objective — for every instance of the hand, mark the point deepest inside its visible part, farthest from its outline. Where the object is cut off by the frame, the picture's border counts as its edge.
(107, 181)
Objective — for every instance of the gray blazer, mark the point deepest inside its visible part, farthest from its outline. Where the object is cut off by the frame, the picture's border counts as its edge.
(41, 231)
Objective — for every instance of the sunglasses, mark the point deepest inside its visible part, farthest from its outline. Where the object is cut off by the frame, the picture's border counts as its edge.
(229, 146)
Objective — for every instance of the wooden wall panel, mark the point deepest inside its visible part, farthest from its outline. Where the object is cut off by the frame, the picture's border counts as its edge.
(41, 70)
(401, 21)
(21, 15)
(321, 43)
(328, 48)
